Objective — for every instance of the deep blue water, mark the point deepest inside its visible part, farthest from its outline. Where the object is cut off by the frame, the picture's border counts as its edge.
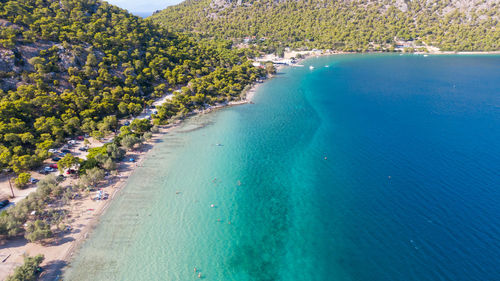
(377, 167)
(431, 124)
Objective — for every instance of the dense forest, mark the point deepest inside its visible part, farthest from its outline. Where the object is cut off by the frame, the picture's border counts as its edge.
(349, 25)
(75, 67)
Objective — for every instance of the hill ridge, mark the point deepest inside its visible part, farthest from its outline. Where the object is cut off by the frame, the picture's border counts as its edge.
(362, 25)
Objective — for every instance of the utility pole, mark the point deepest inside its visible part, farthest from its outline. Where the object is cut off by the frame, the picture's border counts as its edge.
(11, 189)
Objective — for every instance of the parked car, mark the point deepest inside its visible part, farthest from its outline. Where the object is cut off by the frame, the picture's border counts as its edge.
(126, 123)
(131, 160)
(71, 142)
(4, 203)
(33, 180)
(52, 150)
(65, 151)
(60, 178)
(61, 154)
(55, 158)
(83, 148)
(48, 169)
(80, 138)
(53, 166)
(70, 171)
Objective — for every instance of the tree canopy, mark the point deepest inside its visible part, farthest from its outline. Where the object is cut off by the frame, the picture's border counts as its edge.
(357, 25)
(75, 67)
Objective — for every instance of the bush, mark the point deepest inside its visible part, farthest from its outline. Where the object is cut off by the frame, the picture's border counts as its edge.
(129, 141)
(93, 152)
(109, 165)
(22, 180)
(115, 152)
(88, 164)
(148, 135)
(37, 231)
(68, 161)
(92, 177)
(28, 271)
(155, 129)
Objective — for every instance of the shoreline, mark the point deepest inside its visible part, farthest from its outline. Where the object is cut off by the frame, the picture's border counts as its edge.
(52, 272)
(458, 53)
(124, 177)
(84, 214)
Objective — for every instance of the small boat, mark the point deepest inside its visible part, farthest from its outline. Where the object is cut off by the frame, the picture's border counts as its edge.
(218, 144)
(311, 67)
(426, 55)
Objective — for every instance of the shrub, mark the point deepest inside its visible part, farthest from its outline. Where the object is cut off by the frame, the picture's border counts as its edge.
(37, 231)
(28, 271)
(22, 180)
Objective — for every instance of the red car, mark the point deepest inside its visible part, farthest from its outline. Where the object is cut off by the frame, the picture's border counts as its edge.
(53, 166)
(80, 138)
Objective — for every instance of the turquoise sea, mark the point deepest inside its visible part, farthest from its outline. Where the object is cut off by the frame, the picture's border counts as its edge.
(367, 167)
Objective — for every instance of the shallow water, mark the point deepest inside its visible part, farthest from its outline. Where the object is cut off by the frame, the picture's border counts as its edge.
(409, 188)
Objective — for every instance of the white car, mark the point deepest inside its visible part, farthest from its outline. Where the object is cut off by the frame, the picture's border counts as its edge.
(48, 169)
(52, 150)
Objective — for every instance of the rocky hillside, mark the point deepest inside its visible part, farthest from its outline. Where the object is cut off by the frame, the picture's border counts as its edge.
(349, 25)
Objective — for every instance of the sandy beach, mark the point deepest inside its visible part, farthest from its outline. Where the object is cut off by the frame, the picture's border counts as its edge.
(83, 216)
(83, 212)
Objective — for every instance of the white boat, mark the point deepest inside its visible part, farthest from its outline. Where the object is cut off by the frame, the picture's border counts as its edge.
(311, 67)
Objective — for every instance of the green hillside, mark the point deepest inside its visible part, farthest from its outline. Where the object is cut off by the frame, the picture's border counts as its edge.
(71, 67)
(341, 25)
